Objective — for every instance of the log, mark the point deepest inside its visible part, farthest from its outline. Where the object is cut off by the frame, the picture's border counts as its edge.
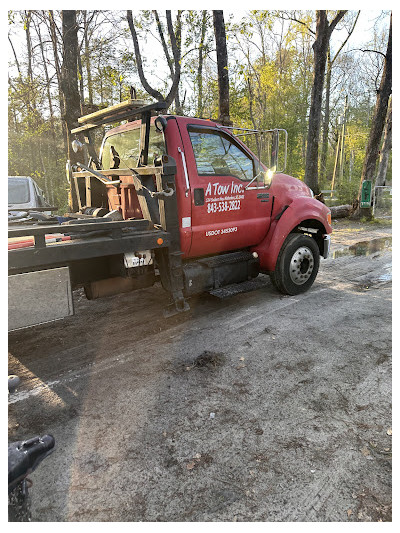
(340, 211)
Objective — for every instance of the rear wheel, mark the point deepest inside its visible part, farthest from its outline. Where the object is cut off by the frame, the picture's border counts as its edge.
(297, 264)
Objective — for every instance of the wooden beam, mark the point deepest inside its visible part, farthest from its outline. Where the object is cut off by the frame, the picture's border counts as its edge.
(117, 115)
(122, 106)
(78, 195)
(84, 128)
(88, 191)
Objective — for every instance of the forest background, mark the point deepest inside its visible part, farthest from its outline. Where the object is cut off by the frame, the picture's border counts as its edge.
(271, 72)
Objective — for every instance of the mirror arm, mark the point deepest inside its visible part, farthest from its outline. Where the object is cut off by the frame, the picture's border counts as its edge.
(250, 182)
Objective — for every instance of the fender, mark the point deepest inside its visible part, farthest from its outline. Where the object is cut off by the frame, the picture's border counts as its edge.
(300, 209)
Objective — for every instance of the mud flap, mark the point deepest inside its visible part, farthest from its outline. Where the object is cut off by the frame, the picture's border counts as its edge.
(39, 297)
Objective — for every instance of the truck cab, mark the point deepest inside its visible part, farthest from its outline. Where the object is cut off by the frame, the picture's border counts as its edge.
(227, 199)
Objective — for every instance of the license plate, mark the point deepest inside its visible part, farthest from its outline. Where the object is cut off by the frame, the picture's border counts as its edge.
(137, 259)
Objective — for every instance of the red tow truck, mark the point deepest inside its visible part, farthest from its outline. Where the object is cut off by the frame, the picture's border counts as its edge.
(179, 200)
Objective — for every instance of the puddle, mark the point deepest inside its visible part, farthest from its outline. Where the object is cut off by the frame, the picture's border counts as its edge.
(388, 275)
(364, 248)
(374, 282)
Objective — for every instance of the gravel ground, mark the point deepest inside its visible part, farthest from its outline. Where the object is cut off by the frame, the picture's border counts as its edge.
(251, 407)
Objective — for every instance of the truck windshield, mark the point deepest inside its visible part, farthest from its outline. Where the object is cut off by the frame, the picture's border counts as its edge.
(126, 144)
(18, 191)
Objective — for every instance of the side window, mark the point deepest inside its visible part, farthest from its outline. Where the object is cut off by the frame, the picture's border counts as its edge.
(216, 155)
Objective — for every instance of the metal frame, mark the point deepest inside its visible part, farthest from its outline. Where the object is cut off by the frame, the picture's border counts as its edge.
(249, 131)
(375, 196)
(123, 111)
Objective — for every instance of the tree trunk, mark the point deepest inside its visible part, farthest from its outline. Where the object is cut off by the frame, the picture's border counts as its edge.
(320, 46)
(69, 75)
(199, 78)
(320, 51)
(81, 88)
(378, 122)
(28, 17)
(340, 211)
(87, 59)
(325, 125)
(178, 34)
(54, 43)
(222, 62)
(31, 101)
(69, 86)
(170, 62)
(175, 39)
(386, 149)
(46, 75)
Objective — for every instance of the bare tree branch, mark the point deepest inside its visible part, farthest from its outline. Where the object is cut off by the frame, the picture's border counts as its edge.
(294, 19)
(177, 56)
(347, 38)
(15, 55)
(373, 51)
(164, 44)
(153, 92)
(336, 20)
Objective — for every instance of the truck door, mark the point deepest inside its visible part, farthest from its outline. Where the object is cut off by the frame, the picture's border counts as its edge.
(225, 215)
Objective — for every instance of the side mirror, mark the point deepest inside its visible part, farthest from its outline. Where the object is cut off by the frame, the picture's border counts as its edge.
(275, 149)
(263, 179)
(267, 176)
(68, 170)
(77, 146)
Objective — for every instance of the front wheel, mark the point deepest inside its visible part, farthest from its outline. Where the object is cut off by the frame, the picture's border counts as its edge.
(297, 264)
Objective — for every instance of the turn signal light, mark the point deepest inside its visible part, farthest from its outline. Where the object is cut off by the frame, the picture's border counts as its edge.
(329, 218)
(160, 240)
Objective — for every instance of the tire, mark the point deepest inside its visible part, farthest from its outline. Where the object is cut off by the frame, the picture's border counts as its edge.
(297, 264)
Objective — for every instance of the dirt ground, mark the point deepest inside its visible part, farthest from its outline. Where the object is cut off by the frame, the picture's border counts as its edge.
(251, 407)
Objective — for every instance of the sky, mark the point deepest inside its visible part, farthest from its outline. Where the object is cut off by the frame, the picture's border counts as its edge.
(361, 35)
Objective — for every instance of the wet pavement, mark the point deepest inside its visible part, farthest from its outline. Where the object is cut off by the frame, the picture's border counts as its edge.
(367, 247)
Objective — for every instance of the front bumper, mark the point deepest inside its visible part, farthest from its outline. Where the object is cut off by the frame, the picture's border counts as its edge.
(327, 246)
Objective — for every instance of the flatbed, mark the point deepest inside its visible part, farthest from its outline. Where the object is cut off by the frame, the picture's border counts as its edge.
(89, 240)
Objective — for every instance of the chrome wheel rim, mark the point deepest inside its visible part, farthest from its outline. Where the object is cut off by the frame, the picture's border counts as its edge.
(301, 265)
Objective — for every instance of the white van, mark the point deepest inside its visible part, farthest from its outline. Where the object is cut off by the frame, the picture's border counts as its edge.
(24, 193)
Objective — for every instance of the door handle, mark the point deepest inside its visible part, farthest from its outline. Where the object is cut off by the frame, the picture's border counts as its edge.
(198, 196)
